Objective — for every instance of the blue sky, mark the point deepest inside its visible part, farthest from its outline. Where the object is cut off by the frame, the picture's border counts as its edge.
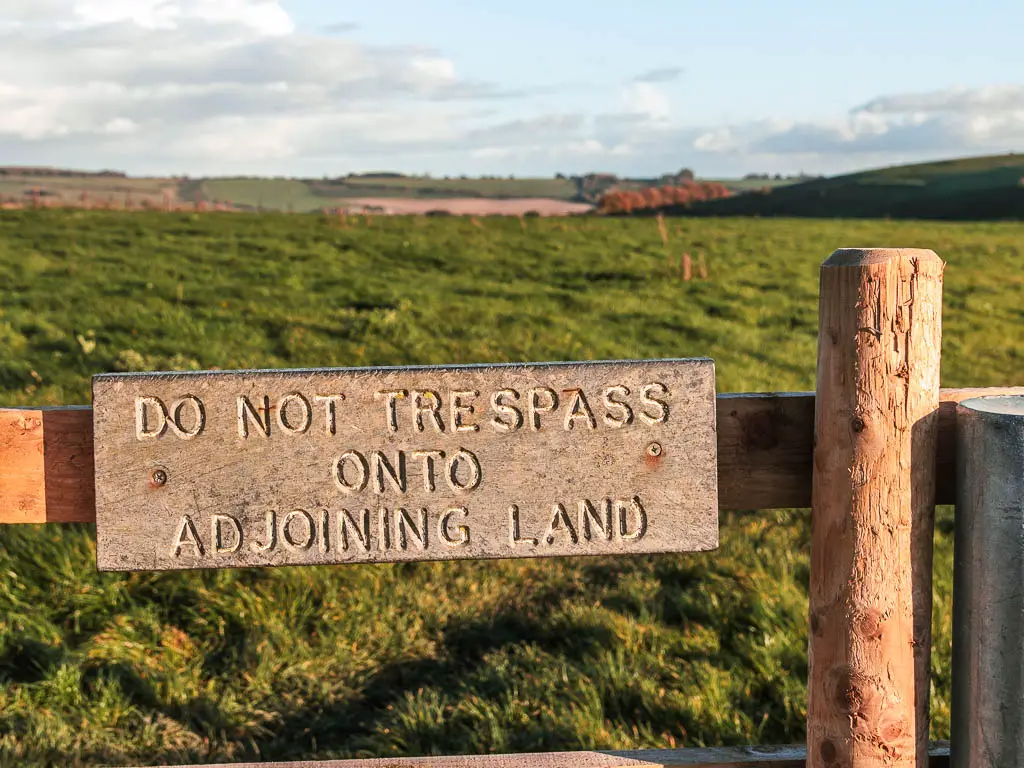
(742, 60)
(313, 88)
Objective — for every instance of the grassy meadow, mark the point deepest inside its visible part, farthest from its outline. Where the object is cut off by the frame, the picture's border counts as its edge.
(468, 657)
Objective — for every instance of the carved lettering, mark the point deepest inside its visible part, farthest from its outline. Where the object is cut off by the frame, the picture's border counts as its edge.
(431, 408)
(515, 539)
(381, 468)
(345, 520)
(428, 466)
(360, 468)
(463, 463)
(234, 542)
(294, 424)
(271, 537)
(177, 423)
(541, 400)
(588, 515)
(150, 417)
(407, 526)
(325, 531)
(390, 408)
(384, 526)
(444, 533)
(560, 520)
(579, 408)
(187, 534)
(316, 466)
(619, 413)
(460, 411)
(330, 411)
(659, 407)
(247, 411)
(309, 534)
(513, 416)
(633, 505)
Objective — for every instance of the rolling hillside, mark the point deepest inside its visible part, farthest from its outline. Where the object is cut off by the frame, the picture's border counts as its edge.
(981, 188)
(966, 189)
(63, 188)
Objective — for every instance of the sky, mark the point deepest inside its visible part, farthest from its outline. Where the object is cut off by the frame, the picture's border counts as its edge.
(530, 88)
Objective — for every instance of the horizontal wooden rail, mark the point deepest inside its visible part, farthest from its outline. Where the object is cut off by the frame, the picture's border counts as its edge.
(765, 445)
(711, 757)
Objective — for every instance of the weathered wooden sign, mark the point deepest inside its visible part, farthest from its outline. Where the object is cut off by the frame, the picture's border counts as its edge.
(303, 467)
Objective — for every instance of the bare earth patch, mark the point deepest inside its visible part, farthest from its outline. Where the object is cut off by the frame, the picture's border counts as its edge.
(470, 206)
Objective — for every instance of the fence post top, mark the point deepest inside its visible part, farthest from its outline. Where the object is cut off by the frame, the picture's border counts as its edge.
(996, 405)
(862, 257)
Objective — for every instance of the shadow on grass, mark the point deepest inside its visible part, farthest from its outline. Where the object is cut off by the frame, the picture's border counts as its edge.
(342, 726)
(27, 660)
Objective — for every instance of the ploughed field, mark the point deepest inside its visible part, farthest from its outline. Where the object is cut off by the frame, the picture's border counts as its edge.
(460, 657)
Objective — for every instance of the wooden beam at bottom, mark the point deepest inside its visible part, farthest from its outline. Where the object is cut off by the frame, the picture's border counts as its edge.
(710, 757)
(765, 445)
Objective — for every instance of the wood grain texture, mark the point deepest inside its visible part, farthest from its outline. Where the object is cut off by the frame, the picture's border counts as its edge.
(22, 470)
(872, 508)
(711, 757)
(764, 450)
(46, 465)
(765, 441)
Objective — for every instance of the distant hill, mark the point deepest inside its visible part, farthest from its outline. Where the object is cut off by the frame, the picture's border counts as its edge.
(45, 171)
(976, 188)
(25, 186)
(968, 189)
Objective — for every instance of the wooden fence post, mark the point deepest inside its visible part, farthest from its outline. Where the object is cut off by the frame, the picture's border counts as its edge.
(987, 705)
(872, 508)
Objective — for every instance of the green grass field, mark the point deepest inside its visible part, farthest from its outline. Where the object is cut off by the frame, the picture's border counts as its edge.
(468, 657)
(412, 186)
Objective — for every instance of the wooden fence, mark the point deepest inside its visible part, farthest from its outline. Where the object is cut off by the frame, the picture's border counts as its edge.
(872, 451)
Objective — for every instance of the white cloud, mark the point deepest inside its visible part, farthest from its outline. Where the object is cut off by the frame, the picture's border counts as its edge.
(586, 147)
(521, 132)
(898, 134)
(227, 86)
(646, 98)
(120, 126)
(264, 16)
(718, 140)
(996, 98)
(208, 83)
(434, 69)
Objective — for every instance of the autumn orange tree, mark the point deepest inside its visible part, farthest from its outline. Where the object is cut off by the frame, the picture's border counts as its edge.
(657, 198)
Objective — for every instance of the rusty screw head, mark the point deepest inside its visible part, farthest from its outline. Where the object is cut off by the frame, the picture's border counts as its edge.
(654, 449)
(159, 477)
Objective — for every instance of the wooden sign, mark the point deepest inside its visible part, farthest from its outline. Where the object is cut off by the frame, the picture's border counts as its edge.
(304, 467)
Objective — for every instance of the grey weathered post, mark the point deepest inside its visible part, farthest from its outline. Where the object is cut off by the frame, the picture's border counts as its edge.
(988, 585)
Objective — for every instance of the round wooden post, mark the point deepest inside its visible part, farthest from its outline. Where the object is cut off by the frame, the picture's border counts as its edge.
(987, 707)
(872, 508)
